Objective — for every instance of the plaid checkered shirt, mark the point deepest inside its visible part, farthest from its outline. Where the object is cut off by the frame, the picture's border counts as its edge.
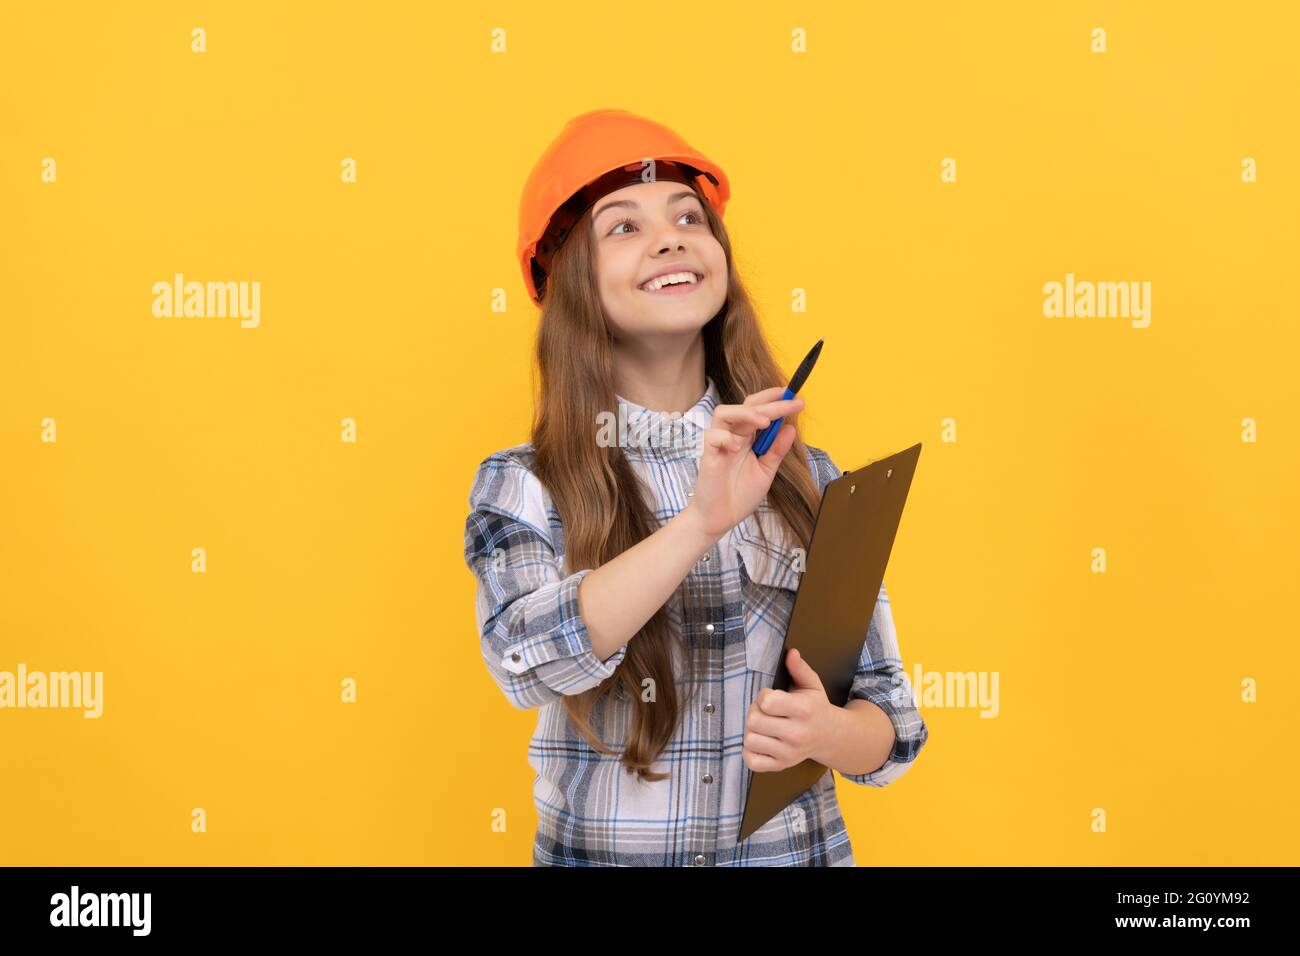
(591, 812)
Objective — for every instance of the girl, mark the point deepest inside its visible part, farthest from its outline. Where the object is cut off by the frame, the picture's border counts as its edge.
(636, 565)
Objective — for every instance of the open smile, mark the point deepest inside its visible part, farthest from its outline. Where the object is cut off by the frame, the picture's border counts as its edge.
(678, 287)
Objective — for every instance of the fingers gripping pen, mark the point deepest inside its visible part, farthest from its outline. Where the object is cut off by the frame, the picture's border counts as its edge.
(765, 438)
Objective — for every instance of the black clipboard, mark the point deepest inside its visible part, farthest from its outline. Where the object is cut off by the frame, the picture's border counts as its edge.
(854, 532)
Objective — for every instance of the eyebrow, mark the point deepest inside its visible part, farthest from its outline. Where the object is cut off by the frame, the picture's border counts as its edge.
(685, 194)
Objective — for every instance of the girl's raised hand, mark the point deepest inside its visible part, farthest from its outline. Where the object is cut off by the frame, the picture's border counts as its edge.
(733, 480)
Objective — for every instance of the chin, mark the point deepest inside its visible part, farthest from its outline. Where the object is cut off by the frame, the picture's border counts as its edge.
(682, 320)
(668, 314)
(701, 307)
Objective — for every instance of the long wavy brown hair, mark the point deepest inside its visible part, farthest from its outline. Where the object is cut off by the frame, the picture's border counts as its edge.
(599, 497)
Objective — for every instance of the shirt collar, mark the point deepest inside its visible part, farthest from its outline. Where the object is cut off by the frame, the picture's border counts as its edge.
(699, 415)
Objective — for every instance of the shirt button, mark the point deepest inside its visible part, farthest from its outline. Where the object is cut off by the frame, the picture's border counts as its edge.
(709, 628)
(708, 708)
(699, 859)
(706, 559)
(690, 494)
(708, 778)
(515, 657)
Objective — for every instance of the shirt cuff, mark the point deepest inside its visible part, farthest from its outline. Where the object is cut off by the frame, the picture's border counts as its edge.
(910, 734)
(562, 656)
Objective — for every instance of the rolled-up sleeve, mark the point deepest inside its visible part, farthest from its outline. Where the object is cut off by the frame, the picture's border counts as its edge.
(880, 677)
(532, 636)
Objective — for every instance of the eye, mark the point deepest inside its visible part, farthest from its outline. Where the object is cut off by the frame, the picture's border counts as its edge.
(698, 217)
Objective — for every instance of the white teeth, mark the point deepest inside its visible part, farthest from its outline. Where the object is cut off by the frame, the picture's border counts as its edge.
(673, 277)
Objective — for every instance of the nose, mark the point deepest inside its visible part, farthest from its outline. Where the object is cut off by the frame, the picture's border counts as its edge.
(670, 238)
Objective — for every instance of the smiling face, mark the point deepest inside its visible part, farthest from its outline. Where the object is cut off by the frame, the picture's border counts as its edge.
(642, 231)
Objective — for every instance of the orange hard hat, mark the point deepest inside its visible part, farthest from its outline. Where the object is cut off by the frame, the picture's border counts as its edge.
(594, 154)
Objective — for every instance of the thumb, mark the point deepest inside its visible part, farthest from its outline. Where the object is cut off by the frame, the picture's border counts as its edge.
(801, 671)
(771, 459)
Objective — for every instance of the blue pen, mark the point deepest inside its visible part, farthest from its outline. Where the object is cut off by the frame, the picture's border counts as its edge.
(765, 438)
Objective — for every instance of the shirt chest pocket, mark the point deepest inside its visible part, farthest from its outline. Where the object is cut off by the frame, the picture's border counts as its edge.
(768, 584)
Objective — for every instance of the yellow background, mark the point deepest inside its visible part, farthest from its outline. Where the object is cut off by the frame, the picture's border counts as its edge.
(328, 560)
